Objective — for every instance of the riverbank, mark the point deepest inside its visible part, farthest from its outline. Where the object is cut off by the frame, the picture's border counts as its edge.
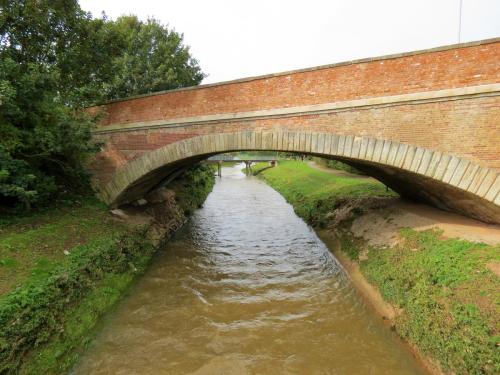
(62, 269)
(434, 276)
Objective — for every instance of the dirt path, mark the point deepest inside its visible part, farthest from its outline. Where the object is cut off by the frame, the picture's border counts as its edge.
(381, 227)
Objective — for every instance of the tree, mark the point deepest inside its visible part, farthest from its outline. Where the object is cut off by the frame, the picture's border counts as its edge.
(154, 59)
(55, 59)
(43, 139)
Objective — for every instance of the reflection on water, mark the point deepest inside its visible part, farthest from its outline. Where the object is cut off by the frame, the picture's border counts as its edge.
(246, 288)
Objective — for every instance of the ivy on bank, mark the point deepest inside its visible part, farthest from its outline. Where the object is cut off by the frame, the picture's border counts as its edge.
(32, 314)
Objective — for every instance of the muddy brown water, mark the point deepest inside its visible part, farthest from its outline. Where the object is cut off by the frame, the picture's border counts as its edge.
(245, 288)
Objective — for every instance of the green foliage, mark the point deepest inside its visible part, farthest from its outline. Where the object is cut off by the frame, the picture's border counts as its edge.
(54, 60)
(31, 315)
(314, 193)
(153, 59)
(44, 141)
(438, 284)
(193, 186)
(63, 350)
(17, 181)
(292, 156)
(63, 46)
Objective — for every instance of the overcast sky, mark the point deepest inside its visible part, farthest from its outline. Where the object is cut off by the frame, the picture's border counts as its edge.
(234, 39)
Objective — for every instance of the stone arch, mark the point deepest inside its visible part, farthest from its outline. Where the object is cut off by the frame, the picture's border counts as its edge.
(446, 181)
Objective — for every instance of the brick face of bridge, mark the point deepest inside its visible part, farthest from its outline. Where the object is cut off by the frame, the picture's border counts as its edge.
(439, 106)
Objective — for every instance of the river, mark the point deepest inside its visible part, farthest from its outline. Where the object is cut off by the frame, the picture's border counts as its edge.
(246, 287)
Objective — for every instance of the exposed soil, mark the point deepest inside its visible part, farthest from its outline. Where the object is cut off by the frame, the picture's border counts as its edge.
(383, 218)
(161, 212)
(380, 227)
(494, 267)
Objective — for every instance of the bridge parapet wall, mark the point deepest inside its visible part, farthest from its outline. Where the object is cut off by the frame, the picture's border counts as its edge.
(469, 64)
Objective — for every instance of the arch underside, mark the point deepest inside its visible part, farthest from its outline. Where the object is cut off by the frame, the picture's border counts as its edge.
(445, 181)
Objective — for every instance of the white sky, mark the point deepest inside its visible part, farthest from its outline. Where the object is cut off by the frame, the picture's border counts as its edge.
(235, 38)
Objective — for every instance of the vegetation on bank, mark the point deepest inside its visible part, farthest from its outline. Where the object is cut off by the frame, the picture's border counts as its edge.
(33, 245)
(41, 314)
(313, 193)
(64, 269)
(445, 289)
(193, 186)
(338, 165)
(449, 298)
(56, 59)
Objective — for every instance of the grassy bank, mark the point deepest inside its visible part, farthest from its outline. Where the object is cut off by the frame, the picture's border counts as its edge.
(338, 165)
(31, 246)
(444, 289)
(313, 193)
(62, 269)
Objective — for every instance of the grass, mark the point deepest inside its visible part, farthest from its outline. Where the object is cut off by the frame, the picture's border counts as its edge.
(314, 193)
(64, 350)
(448, 297)
(32, 245)
(335, 164)
(37, 317)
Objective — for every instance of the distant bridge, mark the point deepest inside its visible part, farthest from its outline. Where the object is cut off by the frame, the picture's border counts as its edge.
(245, 158)
(425, 123)
(248, 160)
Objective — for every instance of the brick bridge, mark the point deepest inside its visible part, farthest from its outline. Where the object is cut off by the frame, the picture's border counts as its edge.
(426, 123)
